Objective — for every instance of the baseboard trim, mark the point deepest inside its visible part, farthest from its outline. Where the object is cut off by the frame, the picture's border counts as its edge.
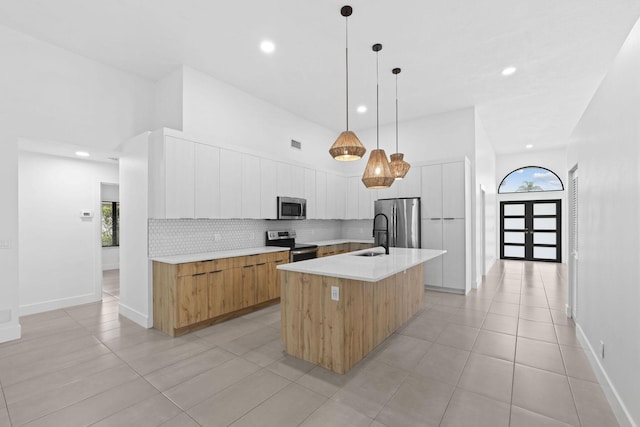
(106, 267)
(41, 307)
(10, 333)
(135, 316)
(619, 409)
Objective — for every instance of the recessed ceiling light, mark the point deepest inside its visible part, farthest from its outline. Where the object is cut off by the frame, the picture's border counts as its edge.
(82, 154)
(362, 109)
(267, 46)
(528, 146)
(508, 71)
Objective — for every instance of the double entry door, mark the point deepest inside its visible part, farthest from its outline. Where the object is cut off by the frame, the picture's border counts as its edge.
(531, 230)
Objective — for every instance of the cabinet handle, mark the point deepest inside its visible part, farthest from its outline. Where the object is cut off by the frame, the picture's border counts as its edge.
(262, 263)
(448, 219)
(216, 271)
(198, 274)
(435, 219)
(247, 266)
(279, 261)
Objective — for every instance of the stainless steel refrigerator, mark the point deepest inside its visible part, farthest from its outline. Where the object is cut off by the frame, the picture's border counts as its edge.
(403, 221)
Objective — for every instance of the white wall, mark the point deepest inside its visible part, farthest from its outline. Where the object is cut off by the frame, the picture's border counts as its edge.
(485, 161)
(439, 136)
(110, 254)
(59, 252)
(606, 147)
(136, 296)
(214, 108)
(50, 93)
(554, 160)
(168, 101)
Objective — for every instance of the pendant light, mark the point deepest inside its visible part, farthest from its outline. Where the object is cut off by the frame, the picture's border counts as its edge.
(399, 167)
(377, 174)
(347, 147)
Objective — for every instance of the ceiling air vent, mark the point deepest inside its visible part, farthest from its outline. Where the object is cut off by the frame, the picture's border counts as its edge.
(296, 144)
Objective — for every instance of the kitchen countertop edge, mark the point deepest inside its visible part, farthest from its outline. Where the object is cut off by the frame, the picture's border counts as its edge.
(368, 269)
(207, 256)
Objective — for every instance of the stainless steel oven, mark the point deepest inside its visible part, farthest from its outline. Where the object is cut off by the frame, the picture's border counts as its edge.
(287, 239)
(292, 208)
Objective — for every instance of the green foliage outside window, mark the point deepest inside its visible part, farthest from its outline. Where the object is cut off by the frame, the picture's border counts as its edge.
(110, 224)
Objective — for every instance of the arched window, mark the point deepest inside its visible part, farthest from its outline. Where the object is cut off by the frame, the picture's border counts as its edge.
(530, 179)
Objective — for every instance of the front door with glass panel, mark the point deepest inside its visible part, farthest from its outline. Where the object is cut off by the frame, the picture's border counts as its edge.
(530, 230)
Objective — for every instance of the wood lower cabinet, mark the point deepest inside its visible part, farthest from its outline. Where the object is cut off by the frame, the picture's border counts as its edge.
(194, 295)
(342, 248)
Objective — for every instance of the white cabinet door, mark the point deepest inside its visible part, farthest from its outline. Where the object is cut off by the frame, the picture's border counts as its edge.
(250, 188)
(352, 197)
(268, 189)
(432, 239)
(389, 193)
(321, 195)
(179, 178)
(207, 181)
(310, 193)
(336, 196)
(453, 262)
(431, 197)
(453, 190)
(366, 199)
(410, 185)
(283, 172)
(230, 184)
(297, 181)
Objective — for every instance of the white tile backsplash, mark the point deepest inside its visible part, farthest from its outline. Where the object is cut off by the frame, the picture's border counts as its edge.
(186, 236)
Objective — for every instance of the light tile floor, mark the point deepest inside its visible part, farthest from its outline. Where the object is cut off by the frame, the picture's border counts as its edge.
(502, 355)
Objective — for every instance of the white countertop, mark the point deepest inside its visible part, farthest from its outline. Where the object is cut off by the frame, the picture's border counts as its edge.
(369, 269)
(338, 242)
(206, 256)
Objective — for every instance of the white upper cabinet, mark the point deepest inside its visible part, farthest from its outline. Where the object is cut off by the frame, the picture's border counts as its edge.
(321, 195)
(310, 192)
(410, 185)
(179, 178)
(230, 184)
(207, 181)
(352, 202)
(283, 174)
(268, 189)
(336, 196)
(453, 190)
(297, 181)
(431, 197)
(366, 198)
(250, 189)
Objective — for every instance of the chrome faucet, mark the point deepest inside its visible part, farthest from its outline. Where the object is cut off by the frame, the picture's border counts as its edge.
(386, 231)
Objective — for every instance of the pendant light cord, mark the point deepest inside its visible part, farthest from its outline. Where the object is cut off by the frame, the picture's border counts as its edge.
(397, 113)
(346, 57)
(377, 105)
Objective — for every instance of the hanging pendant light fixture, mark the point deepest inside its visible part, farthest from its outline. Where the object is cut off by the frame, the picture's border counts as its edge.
(347, 147)
(377, 174)
(399, 167)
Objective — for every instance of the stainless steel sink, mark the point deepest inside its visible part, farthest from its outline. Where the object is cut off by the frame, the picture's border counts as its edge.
(369, 254)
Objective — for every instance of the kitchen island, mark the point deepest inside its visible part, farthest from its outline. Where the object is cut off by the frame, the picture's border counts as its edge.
(336, 309)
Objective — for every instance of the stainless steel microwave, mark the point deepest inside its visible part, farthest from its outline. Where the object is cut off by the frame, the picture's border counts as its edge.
(292, 208)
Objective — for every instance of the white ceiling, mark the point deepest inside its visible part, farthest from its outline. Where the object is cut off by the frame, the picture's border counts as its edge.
(451, 53)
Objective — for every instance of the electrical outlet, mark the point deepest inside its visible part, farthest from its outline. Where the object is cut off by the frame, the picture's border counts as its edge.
(602, 349)
(217, 237)
(252, 236)
(5, 244)
(335, 293)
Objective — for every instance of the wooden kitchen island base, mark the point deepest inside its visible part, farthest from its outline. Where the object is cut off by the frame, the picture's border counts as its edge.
(338, 334)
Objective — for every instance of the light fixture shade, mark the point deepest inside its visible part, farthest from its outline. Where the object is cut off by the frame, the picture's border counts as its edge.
(347, 147)
(377, 174)
(399, 167)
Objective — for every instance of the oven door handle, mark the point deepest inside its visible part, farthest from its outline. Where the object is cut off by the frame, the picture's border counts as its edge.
(303, 251)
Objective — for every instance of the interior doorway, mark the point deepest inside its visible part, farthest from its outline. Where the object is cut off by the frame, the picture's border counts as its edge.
(572, 299)
(531, 230)
(110, 237)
